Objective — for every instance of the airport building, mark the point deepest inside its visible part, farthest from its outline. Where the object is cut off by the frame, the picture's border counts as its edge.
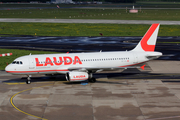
(61, 1)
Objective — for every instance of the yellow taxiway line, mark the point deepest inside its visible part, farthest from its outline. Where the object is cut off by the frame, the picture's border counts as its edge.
(11, 100)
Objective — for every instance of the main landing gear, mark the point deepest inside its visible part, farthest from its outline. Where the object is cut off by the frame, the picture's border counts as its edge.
(28, 81)
(92, 80)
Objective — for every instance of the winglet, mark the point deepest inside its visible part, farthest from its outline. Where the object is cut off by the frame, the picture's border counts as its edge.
(148, 41)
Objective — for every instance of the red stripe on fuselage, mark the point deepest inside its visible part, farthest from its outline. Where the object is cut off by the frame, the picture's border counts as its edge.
(35, 71)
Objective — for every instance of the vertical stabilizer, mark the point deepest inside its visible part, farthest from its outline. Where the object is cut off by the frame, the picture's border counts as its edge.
(148, 41)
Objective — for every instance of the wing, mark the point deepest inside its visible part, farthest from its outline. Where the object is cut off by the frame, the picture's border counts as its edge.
(97, 69)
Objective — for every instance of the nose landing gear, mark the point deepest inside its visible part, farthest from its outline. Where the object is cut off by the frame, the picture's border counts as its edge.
(28, 81)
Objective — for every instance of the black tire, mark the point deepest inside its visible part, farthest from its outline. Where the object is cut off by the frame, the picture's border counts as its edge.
(92, 80)
(28, 82)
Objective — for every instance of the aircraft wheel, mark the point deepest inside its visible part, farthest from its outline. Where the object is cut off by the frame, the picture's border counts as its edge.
(28, 81)
(92, 80)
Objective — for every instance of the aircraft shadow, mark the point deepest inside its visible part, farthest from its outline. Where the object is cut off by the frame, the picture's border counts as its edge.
(125, 75)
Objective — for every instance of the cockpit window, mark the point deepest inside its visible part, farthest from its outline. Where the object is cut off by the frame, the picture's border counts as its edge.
(17, 62)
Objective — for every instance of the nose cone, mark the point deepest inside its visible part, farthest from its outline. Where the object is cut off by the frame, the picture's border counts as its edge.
(8, 68)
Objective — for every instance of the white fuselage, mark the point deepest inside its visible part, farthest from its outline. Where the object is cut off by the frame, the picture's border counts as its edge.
(62, 63)
(80, 66)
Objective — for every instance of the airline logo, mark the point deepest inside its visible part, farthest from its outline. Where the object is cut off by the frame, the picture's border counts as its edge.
(79, 76)
(56, 61)
(149, 37)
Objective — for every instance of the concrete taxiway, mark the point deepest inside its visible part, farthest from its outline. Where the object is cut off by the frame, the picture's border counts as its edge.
(153, 94)
(90, 21)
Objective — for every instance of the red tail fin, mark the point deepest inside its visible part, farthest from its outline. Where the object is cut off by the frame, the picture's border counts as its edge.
(148, 42)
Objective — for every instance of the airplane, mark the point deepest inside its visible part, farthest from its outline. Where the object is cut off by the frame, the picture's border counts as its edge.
(81, 66)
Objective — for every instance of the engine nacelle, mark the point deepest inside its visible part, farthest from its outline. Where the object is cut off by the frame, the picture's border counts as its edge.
(76, 76)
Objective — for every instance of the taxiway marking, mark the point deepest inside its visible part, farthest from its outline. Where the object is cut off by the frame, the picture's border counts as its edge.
(11, 100)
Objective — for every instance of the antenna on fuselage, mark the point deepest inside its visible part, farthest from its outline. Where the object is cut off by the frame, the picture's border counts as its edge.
(30, 54)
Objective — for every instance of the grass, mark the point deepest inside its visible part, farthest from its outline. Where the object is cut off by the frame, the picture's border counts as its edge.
(113, 14)
(16, 53)
(145, 4)
(66, 29)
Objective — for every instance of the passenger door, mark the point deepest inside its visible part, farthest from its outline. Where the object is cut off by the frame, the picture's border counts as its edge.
(31, 63)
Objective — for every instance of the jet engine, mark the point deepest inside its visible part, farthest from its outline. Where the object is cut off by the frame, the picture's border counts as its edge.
(76, 76)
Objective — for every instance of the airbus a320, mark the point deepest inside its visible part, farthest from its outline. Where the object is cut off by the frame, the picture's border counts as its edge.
(81, 66)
